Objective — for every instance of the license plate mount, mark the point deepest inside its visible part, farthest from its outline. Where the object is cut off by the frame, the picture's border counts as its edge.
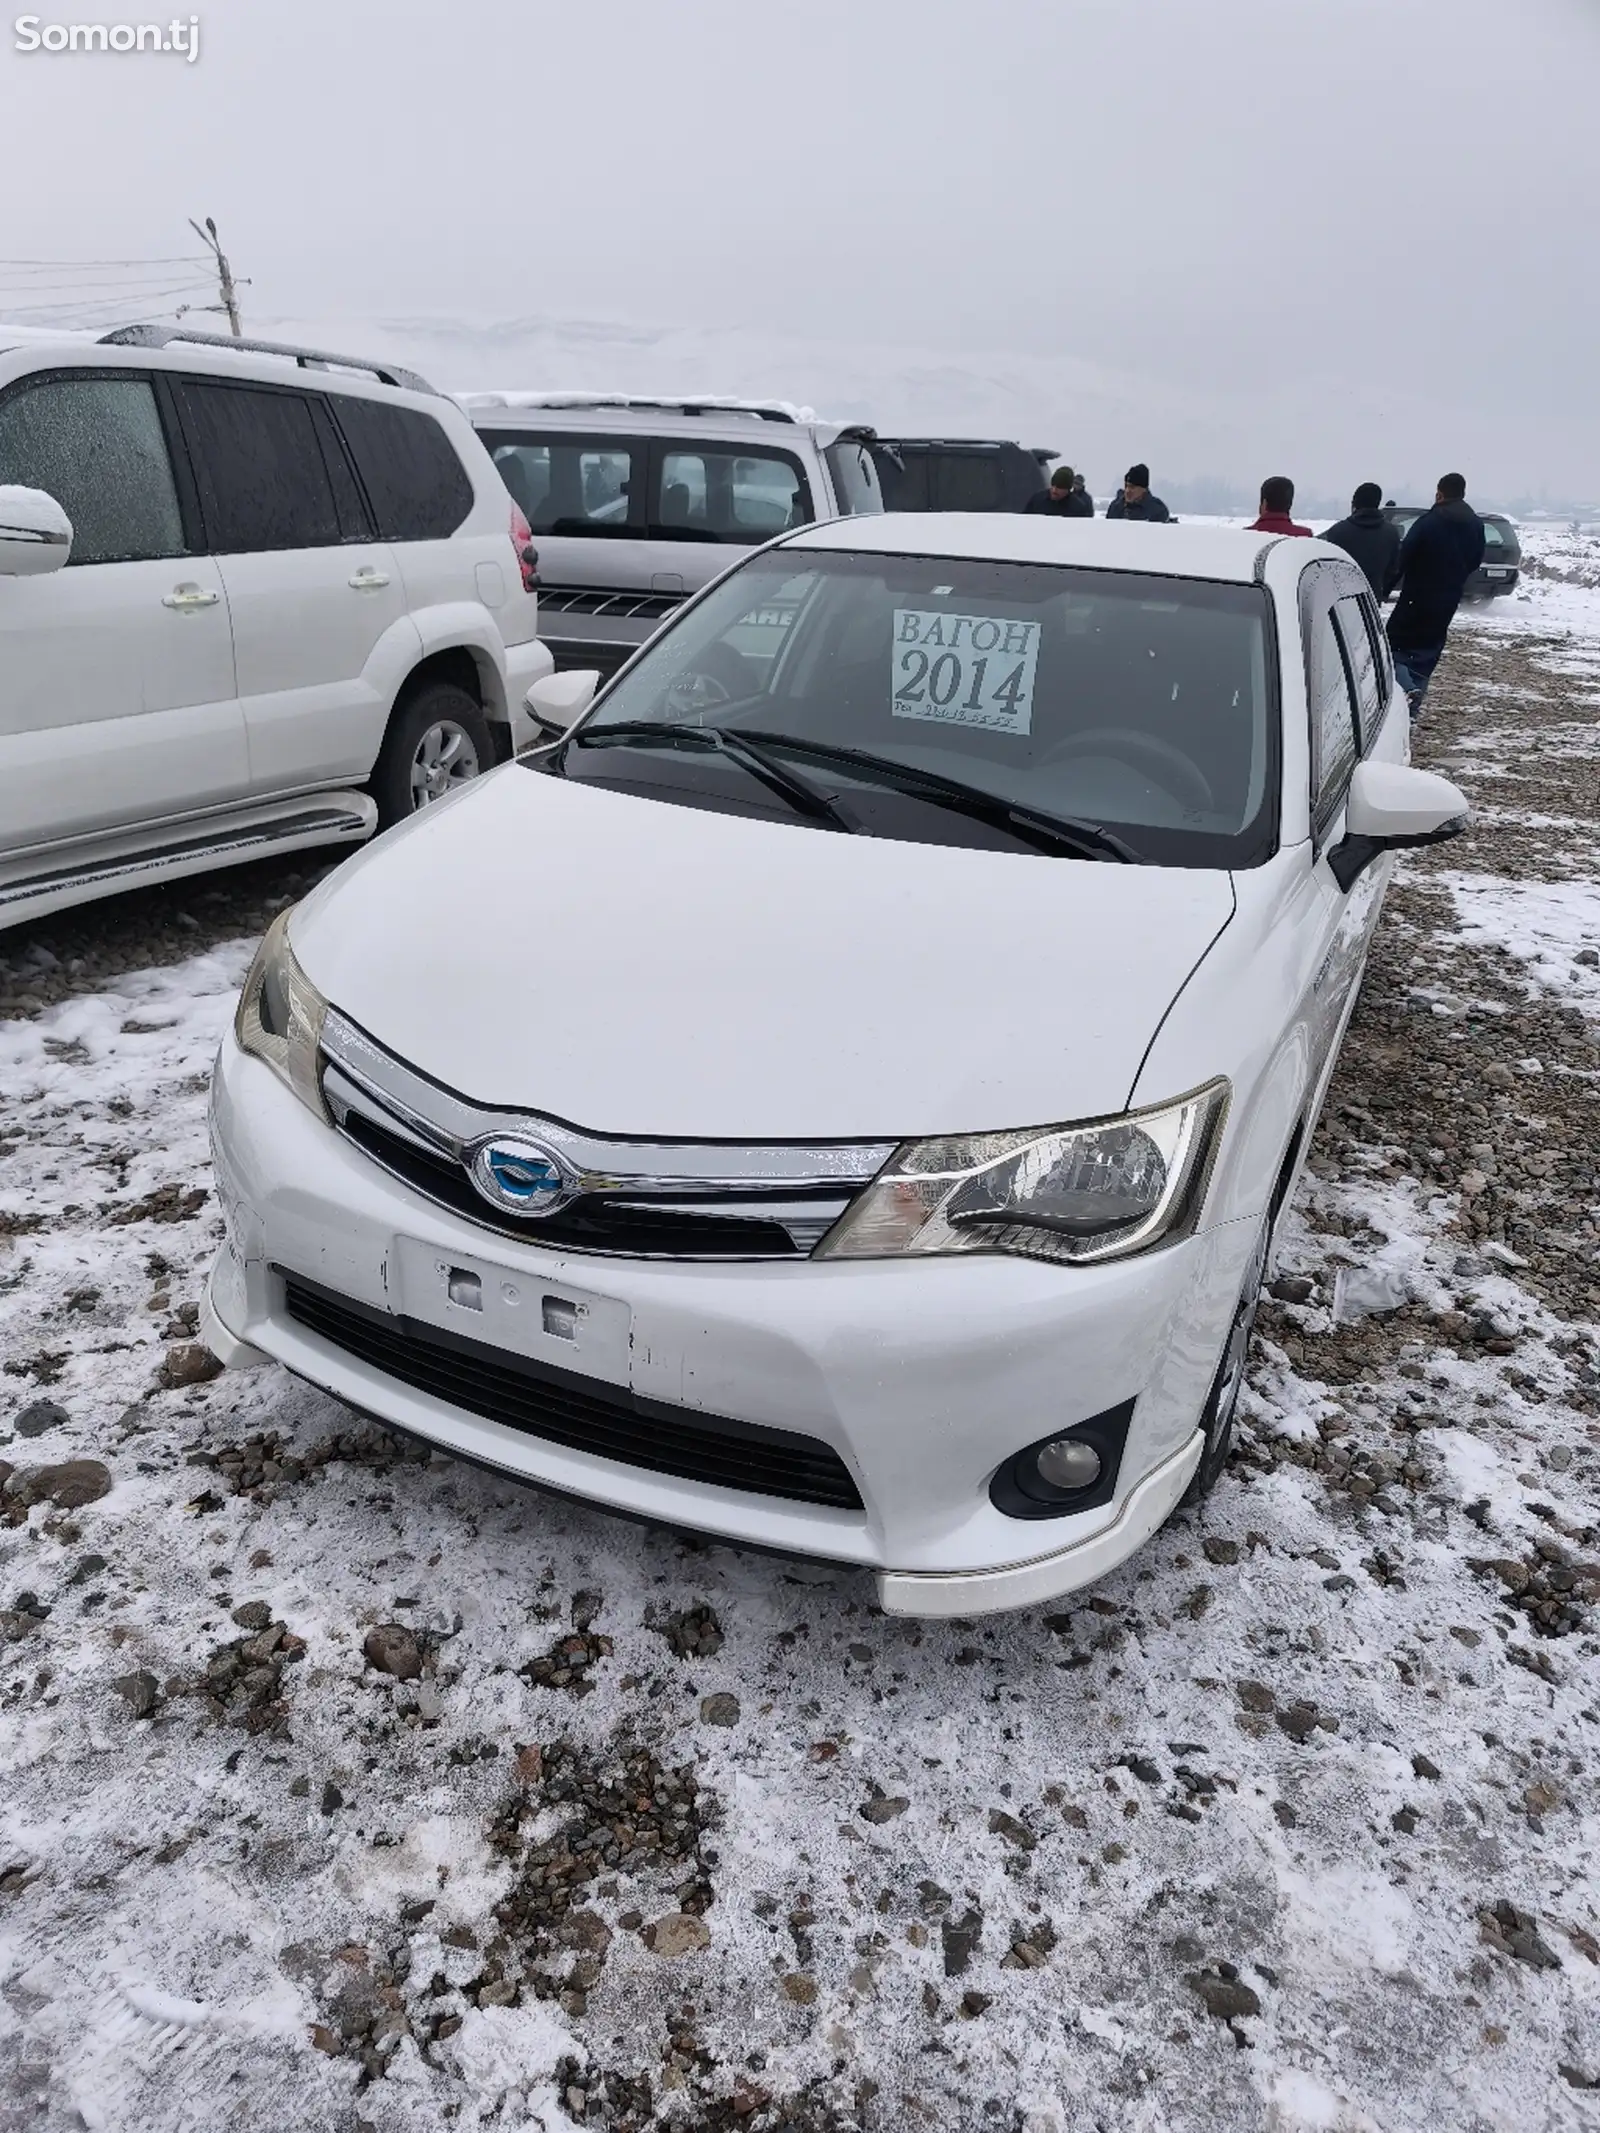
(531, 1315)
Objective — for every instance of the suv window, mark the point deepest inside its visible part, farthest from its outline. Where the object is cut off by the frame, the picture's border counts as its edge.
(903, 477)
(97, 446)
(1361, 657)
(264, 483)
(581, 486)
(706, 493)
(418, 488)
(969, 481)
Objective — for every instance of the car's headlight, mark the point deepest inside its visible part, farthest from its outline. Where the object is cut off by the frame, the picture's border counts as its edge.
(1078, 1193)
(280, 1017)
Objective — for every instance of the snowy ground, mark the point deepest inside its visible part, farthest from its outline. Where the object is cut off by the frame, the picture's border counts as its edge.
(1291, 1824)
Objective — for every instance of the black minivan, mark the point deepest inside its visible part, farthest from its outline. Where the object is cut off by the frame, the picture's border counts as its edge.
(959, 473)
(1502, 551)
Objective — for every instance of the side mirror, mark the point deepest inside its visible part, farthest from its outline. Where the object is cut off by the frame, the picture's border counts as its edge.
(1392, 807)
(35, 533)
(558, 701)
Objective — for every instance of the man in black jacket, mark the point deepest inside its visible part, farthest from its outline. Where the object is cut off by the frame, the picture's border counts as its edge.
(1439, 554)
(1133, 499)
(1063, 498)
(1369, 539)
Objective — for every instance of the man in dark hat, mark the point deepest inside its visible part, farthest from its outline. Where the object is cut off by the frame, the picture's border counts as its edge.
(1133, 499)
(1369, 539)
(1063, 498)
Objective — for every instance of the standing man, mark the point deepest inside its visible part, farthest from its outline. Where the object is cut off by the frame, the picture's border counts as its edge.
(1368, 538)
(1277, 501)
(1439, 554)
(1063, 498)
(1133, 499)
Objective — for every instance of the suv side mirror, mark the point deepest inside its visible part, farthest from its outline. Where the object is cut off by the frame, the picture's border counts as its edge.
(558, 701)
(1391, 807)
(35, 533)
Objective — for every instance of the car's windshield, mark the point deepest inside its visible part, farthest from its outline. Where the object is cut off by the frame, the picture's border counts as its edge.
(1144, 705)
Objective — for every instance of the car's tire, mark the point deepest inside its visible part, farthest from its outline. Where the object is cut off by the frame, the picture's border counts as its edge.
(438, 738)
(1222, 1402)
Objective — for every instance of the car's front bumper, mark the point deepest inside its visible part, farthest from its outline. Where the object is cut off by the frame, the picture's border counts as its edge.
(923, 1376)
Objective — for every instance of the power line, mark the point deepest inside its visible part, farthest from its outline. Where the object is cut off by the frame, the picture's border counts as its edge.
(182, 259)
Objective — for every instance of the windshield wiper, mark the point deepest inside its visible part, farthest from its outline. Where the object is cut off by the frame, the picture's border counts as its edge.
(738, 748)
(1087, 837)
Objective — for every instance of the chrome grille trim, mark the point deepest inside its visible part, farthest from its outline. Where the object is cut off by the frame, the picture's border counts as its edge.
(801, 1189)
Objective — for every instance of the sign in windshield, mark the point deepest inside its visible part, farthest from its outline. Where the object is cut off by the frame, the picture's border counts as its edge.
(967, 670)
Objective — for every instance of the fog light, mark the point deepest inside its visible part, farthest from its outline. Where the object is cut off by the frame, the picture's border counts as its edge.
(1068, 1464)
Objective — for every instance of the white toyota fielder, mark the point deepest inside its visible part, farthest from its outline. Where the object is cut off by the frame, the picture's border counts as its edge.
(840, 1095)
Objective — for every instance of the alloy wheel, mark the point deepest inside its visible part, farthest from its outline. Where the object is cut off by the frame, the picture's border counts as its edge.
(444, 757)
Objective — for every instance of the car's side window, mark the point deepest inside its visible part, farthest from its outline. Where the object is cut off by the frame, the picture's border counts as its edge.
(412, 473)
(1334, 744)
(719, 493)
(97, 446)
(1380, 647)
(1349, 614)
(264, 483)
(571, 486)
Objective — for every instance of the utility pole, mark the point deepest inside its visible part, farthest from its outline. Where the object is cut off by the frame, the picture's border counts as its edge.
(225, 281)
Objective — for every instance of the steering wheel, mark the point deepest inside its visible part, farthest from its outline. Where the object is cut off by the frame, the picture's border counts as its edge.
(1183, 778)
(719, 676)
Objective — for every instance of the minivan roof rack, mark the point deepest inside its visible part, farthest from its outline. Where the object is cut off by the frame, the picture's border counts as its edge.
(151, 336)
(688, 404)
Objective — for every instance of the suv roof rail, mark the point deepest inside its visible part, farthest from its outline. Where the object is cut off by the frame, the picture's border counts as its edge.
(151, 336)
(687, 404)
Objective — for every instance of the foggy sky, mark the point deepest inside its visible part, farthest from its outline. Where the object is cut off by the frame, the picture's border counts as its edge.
(1337, 237)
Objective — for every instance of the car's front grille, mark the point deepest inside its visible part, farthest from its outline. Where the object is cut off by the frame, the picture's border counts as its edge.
(560, 1407)
(628, 1199)
(598, 600)
(624, 1228)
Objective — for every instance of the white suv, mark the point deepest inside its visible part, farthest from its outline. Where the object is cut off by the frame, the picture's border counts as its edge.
(298, 604)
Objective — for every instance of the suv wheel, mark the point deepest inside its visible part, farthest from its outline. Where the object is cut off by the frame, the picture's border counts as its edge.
(1216, 1421)
(437, 740)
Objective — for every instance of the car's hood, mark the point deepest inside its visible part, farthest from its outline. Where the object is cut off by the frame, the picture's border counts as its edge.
(640, 968)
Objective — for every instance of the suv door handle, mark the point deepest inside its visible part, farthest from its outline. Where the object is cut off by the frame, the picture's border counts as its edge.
(184, 597)
(369, 580)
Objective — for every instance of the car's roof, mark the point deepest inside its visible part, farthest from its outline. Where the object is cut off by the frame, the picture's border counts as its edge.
(959, 444)
(719, 419)
(1501, 518)
(248, 362)
(1217, 552)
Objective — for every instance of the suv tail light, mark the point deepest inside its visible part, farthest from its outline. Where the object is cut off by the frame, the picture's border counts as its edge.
(527, 554)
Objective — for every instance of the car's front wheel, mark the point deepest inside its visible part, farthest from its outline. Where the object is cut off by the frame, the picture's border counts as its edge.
(437, 740)
(1222, 1402)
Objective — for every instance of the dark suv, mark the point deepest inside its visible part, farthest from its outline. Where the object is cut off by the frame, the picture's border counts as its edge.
(958, 474)
(1502, 551)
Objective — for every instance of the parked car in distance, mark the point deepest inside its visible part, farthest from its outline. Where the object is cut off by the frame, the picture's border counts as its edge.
(252, 599)
(957, 921)
(637, 503)
(960, 473)
(1501, 568)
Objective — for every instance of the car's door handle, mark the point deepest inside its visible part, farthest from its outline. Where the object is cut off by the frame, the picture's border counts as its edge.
(369, 581)
(184, 597)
